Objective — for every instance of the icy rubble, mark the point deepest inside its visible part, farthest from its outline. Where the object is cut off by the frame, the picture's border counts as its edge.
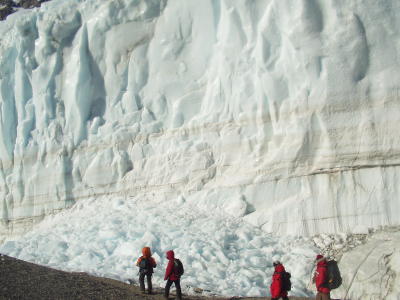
(334, 245)
(222, 255)
(284, 113)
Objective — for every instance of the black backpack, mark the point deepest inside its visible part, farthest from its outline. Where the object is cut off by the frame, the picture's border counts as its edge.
(334, 280)
(286, 283)
(178, 267)
(145, 265)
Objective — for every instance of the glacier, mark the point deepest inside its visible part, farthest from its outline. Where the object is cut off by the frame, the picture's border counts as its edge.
(282, 114)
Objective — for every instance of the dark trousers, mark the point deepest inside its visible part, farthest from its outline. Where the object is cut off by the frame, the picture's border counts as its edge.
(283, 298)
(141, 282)
(177, 286)
(322, 296)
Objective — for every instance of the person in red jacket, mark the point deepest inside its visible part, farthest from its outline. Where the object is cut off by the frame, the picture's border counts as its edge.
(276, 285)
(146, 263)
(172, 277)
(320, 279)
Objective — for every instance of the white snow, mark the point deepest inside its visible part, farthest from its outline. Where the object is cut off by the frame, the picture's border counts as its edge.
(221, 255)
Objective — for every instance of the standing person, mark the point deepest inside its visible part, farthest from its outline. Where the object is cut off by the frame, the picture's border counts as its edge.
(277, 286)
(146, 263)
(320, 279)
(173, 274)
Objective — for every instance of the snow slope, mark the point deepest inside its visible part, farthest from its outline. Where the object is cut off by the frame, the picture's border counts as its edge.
(104, 236)
(281, 112)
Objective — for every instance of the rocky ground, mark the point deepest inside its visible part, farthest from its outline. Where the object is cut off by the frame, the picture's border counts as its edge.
(22, 280)
(7, 7)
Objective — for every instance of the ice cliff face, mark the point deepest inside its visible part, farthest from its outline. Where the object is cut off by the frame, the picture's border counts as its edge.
(371, 271)
(283, 112)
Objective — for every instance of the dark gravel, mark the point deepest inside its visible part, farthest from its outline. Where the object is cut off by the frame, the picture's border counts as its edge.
(22, 280)
(7, 7)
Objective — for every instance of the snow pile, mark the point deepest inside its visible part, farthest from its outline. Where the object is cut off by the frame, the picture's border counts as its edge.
(335, 245)
(281, 112)
(221, 255)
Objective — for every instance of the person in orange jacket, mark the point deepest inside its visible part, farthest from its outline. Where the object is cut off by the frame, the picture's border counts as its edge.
(146, 264)
(276, 289)
(320, 279)
(172, 276)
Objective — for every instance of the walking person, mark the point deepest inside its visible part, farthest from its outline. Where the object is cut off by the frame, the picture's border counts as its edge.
(280, 285)
(173, 274)
(321, 279)
(146, 264)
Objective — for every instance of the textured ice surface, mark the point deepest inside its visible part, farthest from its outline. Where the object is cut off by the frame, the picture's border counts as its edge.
(281, 112)
(104, 236)
(371, 271)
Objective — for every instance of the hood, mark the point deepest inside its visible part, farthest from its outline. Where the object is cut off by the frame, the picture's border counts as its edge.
(321, 262)
(279, 268)
(146, 252)
(170, 254)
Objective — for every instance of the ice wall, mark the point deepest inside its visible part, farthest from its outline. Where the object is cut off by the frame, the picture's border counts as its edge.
(283, 112)
(371, 271)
